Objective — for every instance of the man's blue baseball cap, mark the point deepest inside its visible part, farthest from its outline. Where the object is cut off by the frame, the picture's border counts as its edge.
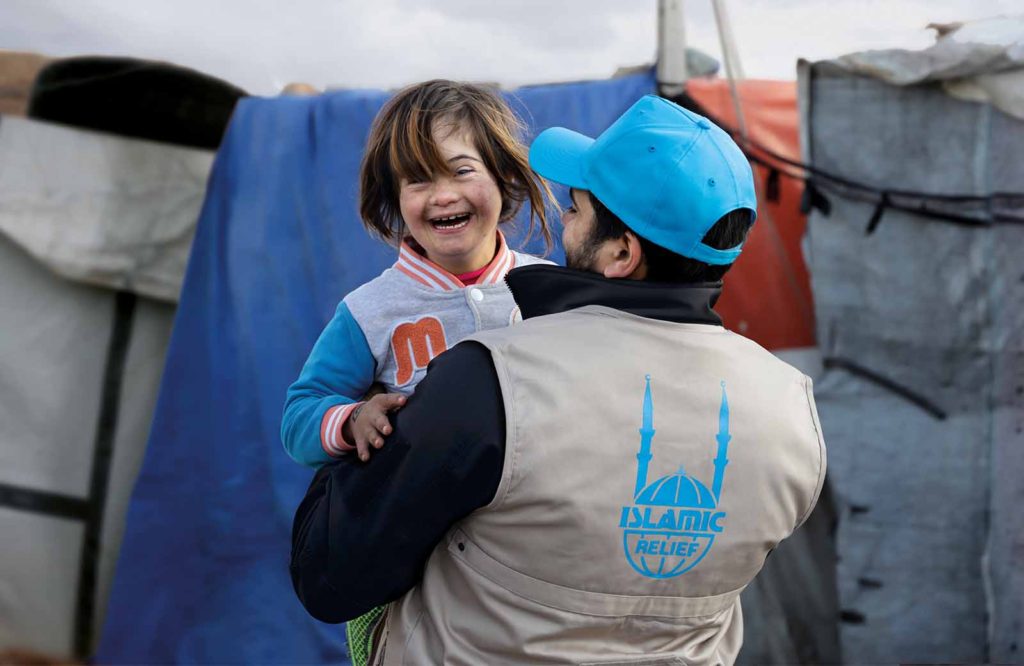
(667, 173)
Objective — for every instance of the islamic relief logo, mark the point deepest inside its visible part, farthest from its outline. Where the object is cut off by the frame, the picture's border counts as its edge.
(673, 521)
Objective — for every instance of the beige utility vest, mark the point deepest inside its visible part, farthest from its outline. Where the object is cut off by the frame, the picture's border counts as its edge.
(649, 468)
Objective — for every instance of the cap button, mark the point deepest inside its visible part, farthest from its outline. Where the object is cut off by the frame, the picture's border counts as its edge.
(703, 124)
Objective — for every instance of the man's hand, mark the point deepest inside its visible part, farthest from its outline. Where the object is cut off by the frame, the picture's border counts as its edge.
(368, 424)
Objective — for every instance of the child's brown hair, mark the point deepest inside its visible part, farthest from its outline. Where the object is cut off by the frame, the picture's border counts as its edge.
(401, 145)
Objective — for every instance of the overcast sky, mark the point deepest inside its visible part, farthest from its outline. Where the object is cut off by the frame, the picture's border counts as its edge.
(261, 45)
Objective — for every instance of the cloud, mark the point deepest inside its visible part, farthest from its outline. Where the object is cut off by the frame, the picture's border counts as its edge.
(263, 44)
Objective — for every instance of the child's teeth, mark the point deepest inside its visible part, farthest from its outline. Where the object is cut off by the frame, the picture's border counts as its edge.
(452, 221)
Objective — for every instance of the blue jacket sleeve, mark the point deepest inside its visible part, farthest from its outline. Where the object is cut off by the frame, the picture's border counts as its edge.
(339, 371)
(364, 531)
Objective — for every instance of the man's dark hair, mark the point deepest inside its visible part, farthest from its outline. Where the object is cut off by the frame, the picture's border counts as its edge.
(666, 266)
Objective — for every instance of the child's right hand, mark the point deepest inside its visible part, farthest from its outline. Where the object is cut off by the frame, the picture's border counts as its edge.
(368, 424)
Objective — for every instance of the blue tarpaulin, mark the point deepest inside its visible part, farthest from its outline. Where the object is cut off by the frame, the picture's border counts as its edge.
(203, 571)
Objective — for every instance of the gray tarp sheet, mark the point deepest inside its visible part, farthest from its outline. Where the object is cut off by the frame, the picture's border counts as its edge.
(931, 531)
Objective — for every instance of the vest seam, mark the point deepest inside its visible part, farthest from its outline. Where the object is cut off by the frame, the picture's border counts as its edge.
(511, 429)
(606, 311)
(394, 615)
(819, 439)
(412, 632)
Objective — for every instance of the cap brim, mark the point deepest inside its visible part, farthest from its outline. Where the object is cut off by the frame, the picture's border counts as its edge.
(557, 154)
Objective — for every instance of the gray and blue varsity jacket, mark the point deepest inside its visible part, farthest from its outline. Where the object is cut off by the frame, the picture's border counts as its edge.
(387, 331)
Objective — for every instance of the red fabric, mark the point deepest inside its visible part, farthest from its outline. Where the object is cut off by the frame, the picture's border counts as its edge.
(472, 276)
(767, 295)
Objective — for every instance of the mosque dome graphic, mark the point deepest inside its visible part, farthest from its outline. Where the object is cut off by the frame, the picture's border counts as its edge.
(677, 490)
(674, 519)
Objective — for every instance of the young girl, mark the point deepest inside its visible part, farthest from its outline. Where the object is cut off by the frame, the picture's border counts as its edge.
(443, 168)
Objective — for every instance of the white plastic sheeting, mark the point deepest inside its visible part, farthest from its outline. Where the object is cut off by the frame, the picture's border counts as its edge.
(99, 209)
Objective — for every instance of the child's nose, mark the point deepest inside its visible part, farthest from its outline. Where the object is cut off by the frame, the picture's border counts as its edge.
(443, 194)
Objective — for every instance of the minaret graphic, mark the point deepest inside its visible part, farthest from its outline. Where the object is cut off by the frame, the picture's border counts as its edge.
(643, 456)
(723, 438)
(675, 518)
(671, 490)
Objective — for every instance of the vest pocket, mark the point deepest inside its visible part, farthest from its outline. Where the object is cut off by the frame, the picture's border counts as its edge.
(462, 549)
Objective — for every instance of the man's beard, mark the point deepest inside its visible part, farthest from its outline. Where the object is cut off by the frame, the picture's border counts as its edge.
(584, 257)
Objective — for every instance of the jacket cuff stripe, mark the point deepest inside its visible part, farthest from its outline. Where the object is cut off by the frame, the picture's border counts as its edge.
(330, 429)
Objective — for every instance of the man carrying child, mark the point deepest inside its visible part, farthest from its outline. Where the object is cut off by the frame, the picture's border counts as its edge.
(599, 483)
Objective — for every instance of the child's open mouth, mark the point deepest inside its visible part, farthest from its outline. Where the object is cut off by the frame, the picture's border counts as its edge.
(451, 222)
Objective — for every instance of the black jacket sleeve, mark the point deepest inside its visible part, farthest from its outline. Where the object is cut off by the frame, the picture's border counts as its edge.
(364, 531)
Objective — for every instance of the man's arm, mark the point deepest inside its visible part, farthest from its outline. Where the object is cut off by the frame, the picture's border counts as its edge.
(364, 531)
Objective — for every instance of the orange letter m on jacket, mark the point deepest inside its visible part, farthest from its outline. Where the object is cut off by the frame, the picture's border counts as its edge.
(414, 344)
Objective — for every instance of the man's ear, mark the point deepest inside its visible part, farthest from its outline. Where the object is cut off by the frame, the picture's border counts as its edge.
(627, 260)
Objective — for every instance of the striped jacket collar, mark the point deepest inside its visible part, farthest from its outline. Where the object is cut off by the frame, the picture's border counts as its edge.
(430, 275)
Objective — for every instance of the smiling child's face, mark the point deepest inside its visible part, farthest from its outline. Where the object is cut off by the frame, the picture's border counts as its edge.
(454, 216)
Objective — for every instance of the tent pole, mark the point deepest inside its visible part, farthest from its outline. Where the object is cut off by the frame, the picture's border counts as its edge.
(672, 72)
(733, 69)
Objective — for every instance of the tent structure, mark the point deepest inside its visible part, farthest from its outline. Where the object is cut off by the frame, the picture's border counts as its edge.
(915, 246)
(95, 231)
(94, 236)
